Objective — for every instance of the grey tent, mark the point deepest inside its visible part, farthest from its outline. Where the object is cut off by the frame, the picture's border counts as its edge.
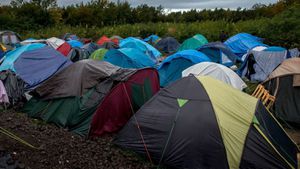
(167, 45)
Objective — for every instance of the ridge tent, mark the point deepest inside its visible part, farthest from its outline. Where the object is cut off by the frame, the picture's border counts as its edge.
(193, 43)
(167, 45)
(170, 69)
(284, 84)
(241, 43)
(94, 84)
(129, 58)
(36, 66)
(140, 45)
(200, 122)
(75, 43)
(12, 56)
(152, 39)
(218, 53)
(216, 71)
(258, 65)
(98, 54)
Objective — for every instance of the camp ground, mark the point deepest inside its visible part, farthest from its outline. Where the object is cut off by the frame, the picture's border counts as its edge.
(174, 103)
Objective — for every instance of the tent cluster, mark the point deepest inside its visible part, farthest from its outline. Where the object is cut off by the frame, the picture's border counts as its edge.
(179, 105)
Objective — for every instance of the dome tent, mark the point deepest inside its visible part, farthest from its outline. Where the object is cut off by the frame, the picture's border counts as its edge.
(167, 45)
(200, 122)
(216, 71)
(193, 42)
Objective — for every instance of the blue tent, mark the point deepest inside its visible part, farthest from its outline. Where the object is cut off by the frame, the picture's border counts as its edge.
(38, 65)
(129, 58)
(168, 45)
(219, 53)
(13, 55)
(275, 49)
(75, 43)
(152, 39)
(241, 43)
(172, 67)
(140, 45)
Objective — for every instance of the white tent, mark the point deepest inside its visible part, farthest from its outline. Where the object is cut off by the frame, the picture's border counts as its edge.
(53, 42)
(217, 71)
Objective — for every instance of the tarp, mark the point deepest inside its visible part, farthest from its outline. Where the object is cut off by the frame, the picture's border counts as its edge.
(140, 45)
(75, 43)
(170, 69)
(167, 45)
(38, 65)
(193, 42)
(129, 58)
(12, 56)
(216, 71)
(241, 43)
(3, 94)
(76, 79)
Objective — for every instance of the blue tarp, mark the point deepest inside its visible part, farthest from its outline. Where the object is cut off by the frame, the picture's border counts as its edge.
(75, 43)
(38, 65)
(140, 45)
(168, 45)
(129, 58)
(219, 53)
(13, 55)
(241, 43)
(171, 68)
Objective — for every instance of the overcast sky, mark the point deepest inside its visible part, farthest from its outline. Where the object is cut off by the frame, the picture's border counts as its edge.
(180, 4)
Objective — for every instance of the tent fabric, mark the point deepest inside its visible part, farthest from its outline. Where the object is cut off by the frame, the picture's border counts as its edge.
(152, 39)
(90, 47)
(14, 86)
(219, 53)
(56, 42)
(193, 42)
(64, 49)
(103, 40)
(81, 76)
(69, 36)
(294, 52)
(241, 43)
(170, 69)
(109, 45)
(3, 94)
(167, 45)
(77, 54)
(129, 58)
(196, 122)
(12, 56)
(216, 71)
(98, 54)
(260, 64)
(75, 43)
(146, 48)
(38, 65)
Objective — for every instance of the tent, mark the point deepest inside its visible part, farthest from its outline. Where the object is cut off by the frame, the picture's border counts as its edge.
(258, 65)
(77, 54)
(9, 38)
(2, 51)
(75, 43)
(90, 47)
(140, 45)
(116, 39)
(200, 122)
(284, 84)
(193, 43)
(241, 43)
(13, 55)
(84, 93)
(109, 45)
(129, 58)
(98, 54)
(103, 40)
(14, 87)
(3, 94)
(38, 65)
(218, 53)
(64, 49)
(170, 69)
(216, 71)
(167, 45)
(152, 39)
(69, 36)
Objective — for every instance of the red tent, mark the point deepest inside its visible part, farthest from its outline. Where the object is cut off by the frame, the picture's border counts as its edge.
(124, 100)
(103, 39)
(65, 48)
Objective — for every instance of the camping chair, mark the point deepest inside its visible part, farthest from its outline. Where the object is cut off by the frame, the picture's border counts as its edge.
(262, 94)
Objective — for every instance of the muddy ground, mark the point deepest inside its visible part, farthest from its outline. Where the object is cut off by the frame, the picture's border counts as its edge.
(60, 149)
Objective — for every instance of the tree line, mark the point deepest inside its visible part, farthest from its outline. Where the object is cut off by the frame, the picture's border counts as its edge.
(33, 15)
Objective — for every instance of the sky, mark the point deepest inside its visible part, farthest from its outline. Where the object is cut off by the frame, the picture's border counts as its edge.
(180, 4)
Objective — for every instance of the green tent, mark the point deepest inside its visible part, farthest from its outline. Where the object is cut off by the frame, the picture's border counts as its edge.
(98, 54)
(193, 42)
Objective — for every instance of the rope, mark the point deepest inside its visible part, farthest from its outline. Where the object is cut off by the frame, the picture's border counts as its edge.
(11, 135)
(138, 126)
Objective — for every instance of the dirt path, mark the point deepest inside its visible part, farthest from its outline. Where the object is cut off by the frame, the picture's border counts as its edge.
(59, 149)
